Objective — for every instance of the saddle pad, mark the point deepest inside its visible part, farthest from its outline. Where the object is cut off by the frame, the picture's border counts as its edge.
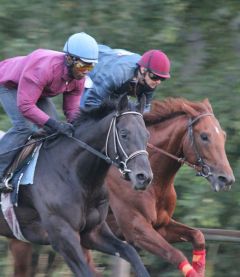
(25, 176)
(28, 173)
(10, 216)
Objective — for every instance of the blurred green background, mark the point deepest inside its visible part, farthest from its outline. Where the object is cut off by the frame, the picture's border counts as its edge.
(202, 39)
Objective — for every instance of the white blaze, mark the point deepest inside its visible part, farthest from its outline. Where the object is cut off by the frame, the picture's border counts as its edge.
(217, 130)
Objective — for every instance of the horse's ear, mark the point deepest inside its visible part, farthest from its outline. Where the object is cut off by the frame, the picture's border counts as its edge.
(122, 103)
(207, 103)
(141, 104)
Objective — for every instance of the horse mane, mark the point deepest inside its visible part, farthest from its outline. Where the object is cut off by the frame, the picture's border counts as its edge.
(94, 114)
(172, 107)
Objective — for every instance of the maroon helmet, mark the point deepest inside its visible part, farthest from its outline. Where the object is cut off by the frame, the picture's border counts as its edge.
(157, 62)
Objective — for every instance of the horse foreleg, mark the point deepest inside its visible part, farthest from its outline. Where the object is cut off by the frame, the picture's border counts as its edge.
(178, 232)
(90, 262)
(66, 241)
(102, 239)
(22, 257)
(146, 237)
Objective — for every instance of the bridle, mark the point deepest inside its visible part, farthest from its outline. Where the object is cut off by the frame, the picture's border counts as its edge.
(201, 167)
(122, 164)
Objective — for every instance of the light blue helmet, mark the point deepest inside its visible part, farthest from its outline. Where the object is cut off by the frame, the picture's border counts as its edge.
(82, 46)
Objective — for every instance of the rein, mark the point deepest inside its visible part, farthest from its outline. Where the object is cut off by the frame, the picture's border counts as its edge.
(201, 167)
(29, 143)
(121, 165)
(94, 151)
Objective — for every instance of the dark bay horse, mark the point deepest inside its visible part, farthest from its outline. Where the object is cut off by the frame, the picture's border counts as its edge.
(145, 219)
(67, 204)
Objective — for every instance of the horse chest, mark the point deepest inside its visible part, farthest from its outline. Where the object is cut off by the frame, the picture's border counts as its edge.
(94, 217)
(96, 212)
(165, 206)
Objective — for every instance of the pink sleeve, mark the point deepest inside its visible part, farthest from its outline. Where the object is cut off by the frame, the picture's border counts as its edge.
(30, 87)
(71, 101)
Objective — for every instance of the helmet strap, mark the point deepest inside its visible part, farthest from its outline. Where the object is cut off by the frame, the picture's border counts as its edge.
(68, 60)
(134, 87)
(69, 63)
(142, 87)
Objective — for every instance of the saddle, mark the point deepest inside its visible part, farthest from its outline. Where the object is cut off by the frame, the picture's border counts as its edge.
(21, 160)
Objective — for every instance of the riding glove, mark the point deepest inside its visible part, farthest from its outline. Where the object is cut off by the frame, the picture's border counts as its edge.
(59, 127)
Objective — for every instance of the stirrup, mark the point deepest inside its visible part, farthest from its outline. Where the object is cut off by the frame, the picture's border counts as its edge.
(5, 186)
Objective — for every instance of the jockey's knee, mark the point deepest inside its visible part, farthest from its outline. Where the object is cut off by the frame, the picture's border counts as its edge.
(23, 129)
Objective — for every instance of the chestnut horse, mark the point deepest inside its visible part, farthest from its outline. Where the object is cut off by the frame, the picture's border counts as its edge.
(180, 131)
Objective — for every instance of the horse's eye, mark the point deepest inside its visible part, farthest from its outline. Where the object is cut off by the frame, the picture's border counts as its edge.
(123, 134)
(204, 137)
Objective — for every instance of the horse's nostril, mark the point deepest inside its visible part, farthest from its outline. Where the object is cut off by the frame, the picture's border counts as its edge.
(225, 180)
(141, 177)
(144, 179)
(222, 179)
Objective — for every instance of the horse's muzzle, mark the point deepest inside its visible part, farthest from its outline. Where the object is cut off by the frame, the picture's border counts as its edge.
(141, 181)
(221, 182)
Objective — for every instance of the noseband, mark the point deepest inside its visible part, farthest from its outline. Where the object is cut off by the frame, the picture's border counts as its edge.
(205, 170)
(122, 165)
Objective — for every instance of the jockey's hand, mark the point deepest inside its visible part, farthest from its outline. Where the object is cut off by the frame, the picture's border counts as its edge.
(42, 132)
(59, 127)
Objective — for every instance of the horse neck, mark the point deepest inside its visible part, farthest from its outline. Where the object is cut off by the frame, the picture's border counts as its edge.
(93, 168)
(169, 136)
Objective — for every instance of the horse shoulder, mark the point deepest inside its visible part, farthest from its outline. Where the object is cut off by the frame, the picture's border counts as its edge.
(127, 203)
(165, 197)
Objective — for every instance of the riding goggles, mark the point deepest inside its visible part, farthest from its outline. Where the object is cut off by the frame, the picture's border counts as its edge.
(155, 77)
(82, 66)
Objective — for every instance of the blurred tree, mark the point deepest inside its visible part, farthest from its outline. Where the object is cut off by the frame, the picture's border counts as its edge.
(202, 39)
